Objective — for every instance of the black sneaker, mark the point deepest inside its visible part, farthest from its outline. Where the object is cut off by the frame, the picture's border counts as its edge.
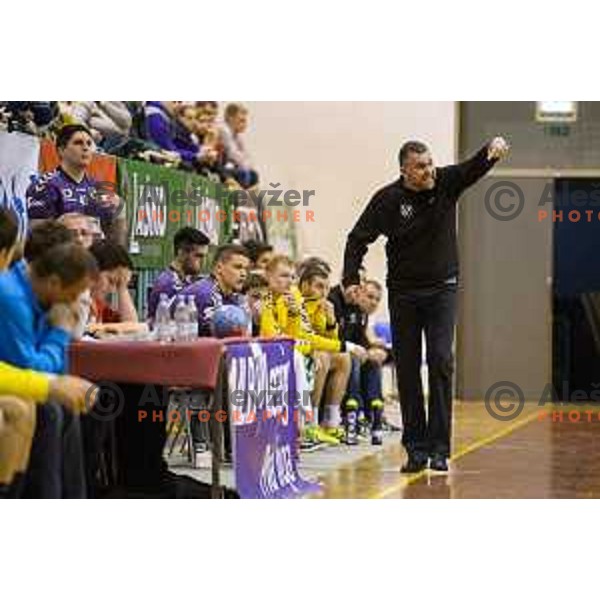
(439, 463)
(416, 463)
(377, 437)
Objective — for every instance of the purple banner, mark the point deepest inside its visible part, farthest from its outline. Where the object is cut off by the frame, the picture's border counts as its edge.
(264, 414)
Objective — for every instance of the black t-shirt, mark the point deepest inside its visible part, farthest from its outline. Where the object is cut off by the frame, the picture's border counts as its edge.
(420, 228)
(352, 321)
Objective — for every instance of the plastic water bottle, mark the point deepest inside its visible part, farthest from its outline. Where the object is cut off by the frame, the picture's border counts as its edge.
(192, 318)
(181, 320)
(162, 320)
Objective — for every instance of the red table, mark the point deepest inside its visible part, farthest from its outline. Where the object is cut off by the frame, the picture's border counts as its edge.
(197, 365)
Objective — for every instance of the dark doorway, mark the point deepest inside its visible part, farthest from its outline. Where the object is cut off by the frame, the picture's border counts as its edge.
(576, 289)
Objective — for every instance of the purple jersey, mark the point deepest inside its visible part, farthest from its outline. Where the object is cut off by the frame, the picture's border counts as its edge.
(208, 298)
(55, 194)
(169, 282)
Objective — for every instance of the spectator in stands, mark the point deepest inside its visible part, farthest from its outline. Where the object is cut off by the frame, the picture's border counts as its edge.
(209, 107)
(196, 136)
(34, 334)
(223, 286)
(108, 122)
(164, 129)
(237, 159)
(184, 137)
(69, 189)
(203, 124)
(284, 313)
(191, 248)
(114, 276)
(209, 137)
(27, 117)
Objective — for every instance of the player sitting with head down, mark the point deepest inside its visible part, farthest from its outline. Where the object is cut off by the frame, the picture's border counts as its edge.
(21, 390)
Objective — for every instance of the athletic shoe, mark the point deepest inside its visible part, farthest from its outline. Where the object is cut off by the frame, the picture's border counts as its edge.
(319, 435)
(309, 440)
(363, 426)
(307, 445)
(416, 463)
(439, 463)
(201, 447)
(331, 435)
(377, 437)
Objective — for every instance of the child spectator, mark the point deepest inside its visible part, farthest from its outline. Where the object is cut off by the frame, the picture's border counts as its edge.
(186, 136)
(167, 133)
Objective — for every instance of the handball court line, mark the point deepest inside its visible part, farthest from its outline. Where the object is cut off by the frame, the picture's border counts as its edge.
(469, 449)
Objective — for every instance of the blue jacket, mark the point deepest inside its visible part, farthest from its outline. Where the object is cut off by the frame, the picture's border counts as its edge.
(27, 340)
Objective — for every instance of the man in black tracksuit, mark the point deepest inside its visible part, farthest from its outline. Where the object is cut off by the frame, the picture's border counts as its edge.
(417, 214)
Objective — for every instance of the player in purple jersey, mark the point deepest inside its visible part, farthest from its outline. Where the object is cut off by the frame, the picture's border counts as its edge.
(223, 286)
(69, 189)
(191, 248)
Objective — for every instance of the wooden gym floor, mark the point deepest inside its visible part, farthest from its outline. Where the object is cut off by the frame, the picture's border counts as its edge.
(538, 455)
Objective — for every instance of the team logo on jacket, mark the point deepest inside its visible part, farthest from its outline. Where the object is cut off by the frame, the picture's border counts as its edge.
(407, 211)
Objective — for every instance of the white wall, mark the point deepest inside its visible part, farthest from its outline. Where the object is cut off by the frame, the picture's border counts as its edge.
(344, 151)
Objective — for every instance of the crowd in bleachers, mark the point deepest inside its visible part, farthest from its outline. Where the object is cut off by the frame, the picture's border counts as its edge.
(69, 276)
(185, 135)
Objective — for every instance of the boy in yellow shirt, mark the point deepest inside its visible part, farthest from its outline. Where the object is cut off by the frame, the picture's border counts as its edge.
(284, 313)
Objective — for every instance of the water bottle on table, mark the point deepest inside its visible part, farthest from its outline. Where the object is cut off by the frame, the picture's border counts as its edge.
(162, 320)
(192, 318)
(181, 320)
